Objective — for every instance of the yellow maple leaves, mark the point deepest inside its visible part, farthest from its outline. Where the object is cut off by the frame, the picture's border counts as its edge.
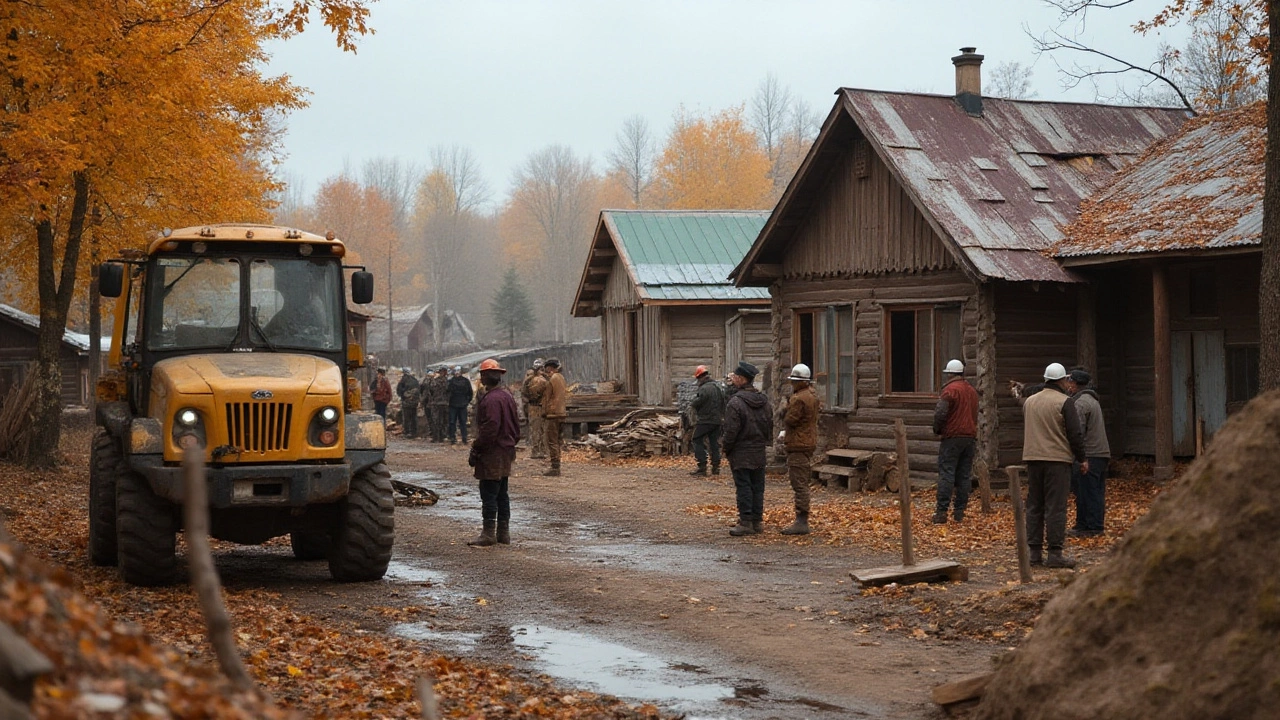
(713, 162)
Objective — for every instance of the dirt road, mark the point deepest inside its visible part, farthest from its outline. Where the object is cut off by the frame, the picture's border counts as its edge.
(611, 585)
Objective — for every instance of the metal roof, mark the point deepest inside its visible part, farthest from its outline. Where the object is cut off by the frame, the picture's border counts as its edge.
(79, 341)
(677, 256)
(1198, 190)
(999, 186)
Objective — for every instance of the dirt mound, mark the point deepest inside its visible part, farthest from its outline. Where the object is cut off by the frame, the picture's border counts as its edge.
(1184, 619)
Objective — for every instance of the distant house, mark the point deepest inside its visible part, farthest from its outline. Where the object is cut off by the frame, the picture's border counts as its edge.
(19, 338)
(658, 281)
(413, 330)
(914, 232)
(1172, 251)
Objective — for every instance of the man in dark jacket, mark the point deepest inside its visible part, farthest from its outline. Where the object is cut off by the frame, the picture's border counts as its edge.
(709, 406)
(381, 392)
(955, 419)
(409, 393)
(460, 394)
(435, 402)
(1051, 441)
(801, 440)
(748, 429)
(493, 453)
(1090, 487)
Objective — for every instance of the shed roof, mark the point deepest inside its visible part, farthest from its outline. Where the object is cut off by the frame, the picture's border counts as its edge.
(672, 256)
(78, 341)
(998, 187)
(1198, 190)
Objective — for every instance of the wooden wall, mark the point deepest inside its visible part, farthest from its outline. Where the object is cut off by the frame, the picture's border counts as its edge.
(18, 349)
(619, 291)
(757, 339)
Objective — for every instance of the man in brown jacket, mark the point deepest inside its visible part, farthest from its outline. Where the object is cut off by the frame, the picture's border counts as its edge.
(493, 453)
(554, 413)
(534, 390)
(801, 422)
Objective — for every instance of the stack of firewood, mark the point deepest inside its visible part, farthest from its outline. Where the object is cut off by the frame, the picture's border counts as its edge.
(640, 433)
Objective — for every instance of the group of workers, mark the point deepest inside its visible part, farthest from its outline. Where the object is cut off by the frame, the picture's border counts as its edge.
(444, 395)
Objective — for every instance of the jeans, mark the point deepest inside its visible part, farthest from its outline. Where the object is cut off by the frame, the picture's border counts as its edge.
(1047, 486)
(749, 483)
(494, 501)
(1091, 495)
(704, 435)
(955, 465)
(380, 408)
(457, 419)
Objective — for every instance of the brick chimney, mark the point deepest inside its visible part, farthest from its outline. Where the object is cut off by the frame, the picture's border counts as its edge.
(969, 80)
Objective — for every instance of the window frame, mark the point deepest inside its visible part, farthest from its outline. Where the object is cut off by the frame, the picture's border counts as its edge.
(936, 310)
(825, 324)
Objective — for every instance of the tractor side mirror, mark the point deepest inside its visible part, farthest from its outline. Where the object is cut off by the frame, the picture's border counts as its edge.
(110, 279)
(361, 287)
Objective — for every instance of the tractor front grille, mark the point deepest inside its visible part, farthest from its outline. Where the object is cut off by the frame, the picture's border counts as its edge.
(259, 426)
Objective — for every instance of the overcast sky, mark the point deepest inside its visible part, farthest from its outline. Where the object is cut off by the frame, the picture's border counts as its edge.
(508, 78)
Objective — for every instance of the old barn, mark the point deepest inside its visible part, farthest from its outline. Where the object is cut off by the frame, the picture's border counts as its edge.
(19, 337)
(658, 281)
(915, 231)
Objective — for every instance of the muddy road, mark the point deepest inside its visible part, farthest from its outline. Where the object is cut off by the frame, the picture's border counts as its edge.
(610, 585)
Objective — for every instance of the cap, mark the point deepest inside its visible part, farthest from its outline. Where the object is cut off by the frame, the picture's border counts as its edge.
(489, 364)
(746, 370)
(1080, 376)
(552, 363)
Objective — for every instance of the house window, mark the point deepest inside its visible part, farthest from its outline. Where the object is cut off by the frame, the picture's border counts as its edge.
(919, 341)
(823, 340)
(1242, 373)
(1203, 293)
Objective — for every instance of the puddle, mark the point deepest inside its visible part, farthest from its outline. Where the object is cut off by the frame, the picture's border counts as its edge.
(433, 585)
(614, 669)
(453, 639)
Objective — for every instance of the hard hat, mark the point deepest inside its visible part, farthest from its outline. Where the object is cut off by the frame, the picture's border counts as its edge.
(405, 370)
(491, 364)
(700, 371)
(457, 368)
(1054, 371)
(801, 372)
(955, 367)
(538, 363)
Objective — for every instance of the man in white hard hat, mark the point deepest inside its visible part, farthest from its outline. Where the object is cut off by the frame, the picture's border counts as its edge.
(533, 390)
(1051, 441)
(955, 419)
(801, 423)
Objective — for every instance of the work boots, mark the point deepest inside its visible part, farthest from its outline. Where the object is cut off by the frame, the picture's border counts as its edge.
(715, 469)
(1057, 560)
(1036, 557)
(487, 537)
(742, 528)
(757, 527)
(800, 526)
(700, 471)
(504, 532)
(553, 471)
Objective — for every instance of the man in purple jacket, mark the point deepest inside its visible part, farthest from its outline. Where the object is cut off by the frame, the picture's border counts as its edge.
(493, 453)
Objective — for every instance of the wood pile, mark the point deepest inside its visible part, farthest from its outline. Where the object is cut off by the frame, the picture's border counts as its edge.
(586, 400)
(644, 432)
(859, 470)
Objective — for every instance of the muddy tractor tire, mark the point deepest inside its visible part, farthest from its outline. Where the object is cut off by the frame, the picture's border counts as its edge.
(146, 533)
(310, 544)
(105, 462)
(365, 529)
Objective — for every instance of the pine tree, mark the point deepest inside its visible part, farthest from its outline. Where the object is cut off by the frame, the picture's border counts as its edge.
(511, 308)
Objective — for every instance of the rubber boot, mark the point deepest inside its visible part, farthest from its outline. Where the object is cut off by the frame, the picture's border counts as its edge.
(699, 471)
(1057, 560)
(553, 471)
(757, 527)
(504, 532)
(715, 469)
(940, 517)
(742, 528)
(800, 526)
(487, 536)
(1036, 557)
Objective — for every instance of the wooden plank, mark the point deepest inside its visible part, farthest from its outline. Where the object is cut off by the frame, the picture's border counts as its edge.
(855, 455)
(925, 571)
(20, 664)
(1019, 521)
(904, 486)
(1163, 374)
(967, 688)
(844, 470)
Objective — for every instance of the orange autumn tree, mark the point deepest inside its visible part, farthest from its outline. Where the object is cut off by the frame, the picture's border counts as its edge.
(128, 116)
(713, 162)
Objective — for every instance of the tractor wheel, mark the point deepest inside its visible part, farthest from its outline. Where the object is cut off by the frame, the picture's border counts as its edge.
(366, 528)
(146, 532)
(105, 463)
(310, 544)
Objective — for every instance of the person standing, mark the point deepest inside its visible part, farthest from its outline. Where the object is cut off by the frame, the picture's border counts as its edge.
(955, 419)
(554, 412)
(493, 453)
(460, 394)
(1051, 441)
(438, 402)
(408, 390)
(534, 390)
(709, 406)
(381, 393)
(1090, 487)
(748, 429)
(801, 423)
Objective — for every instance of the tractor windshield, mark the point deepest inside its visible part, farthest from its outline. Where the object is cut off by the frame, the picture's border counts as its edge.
(292, 303)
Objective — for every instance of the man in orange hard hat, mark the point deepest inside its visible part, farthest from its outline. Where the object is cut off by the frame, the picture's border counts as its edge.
(493, 453)
(709, 406)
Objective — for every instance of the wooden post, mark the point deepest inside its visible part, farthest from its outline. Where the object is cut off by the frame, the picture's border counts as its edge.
(904, 491)
(717, 361)
(984, 483)
(1020, 523)
(1086, 327)
(1163, 374)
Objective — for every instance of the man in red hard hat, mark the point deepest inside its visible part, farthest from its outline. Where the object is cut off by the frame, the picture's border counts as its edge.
(493, 453)
(709, 406)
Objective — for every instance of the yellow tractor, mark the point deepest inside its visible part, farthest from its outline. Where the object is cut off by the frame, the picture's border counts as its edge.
(234, 339)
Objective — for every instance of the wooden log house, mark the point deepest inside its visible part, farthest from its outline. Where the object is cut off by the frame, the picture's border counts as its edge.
(19, 342)
(915, 232)
(658, 281)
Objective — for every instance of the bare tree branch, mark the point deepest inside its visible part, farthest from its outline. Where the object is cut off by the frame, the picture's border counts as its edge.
(1054, 41)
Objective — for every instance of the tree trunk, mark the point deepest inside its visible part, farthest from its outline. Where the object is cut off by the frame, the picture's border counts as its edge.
(95, 326)
(1269, 288)
(56, 289)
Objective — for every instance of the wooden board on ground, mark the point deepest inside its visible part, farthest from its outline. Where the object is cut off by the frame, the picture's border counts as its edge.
(926, 571)
(853, 470)
(967, 688)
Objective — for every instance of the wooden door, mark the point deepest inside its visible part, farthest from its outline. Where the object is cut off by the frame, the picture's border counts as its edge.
(632, 341)
(1199, 387)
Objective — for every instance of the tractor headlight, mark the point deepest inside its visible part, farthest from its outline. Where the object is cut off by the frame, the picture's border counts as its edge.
(188, 428)
(324, 431)
(329, 415)
(188, 417)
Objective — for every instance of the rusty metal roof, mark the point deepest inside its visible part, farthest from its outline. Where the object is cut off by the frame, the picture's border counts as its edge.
(1198, 190)
(1000, 186)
